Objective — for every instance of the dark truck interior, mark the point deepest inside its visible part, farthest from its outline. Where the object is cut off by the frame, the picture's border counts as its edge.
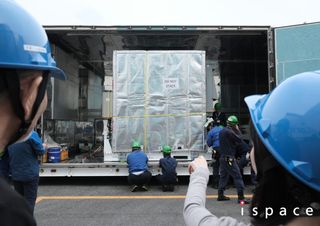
(241, 53)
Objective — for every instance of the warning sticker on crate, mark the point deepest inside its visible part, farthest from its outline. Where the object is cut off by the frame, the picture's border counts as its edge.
(170, 83)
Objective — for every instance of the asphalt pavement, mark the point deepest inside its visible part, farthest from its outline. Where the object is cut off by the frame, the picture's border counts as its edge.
(109, 201)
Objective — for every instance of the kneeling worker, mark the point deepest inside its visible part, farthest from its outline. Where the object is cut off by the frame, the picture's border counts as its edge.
(139, 176)
(168, 167)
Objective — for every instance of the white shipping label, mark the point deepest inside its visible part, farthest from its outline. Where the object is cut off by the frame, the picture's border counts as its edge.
(170, 83)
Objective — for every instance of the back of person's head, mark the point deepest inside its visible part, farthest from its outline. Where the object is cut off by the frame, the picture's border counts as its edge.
(25, 54)
(286, 145)
(136, 145)
(277, 188)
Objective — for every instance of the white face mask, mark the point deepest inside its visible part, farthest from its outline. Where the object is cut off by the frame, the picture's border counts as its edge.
(253, 162)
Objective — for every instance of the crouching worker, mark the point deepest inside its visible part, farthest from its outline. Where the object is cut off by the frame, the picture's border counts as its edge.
(168, 167)
(24, 165)
(139, 176)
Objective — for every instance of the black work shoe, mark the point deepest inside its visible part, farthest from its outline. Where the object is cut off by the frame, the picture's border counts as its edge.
(167, 188)
(243, 201)
(214, 186)
(223, 198)
(134, 188)
(144, 188)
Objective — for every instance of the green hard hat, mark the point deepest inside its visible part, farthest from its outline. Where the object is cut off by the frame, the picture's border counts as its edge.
(218, 106)
(136, 144)
(166, 149)
(232, 120)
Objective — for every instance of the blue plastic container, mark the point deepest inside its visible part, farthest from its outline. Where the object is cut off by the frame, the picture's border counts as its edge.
(53, 155)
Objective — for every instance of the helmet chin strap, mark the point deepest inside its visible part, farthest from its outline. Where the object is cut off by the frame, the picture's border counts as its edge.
(13, 85)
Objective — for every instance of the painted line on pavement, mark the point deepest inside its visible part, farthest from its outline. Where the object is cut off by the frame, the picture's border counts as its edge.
(41, 198)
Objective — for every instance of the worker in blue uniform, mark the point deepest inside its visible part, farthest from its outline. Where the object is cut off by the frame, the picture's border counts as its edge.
(139, 176)
(24, 166)
(242, 150)
(213, 142)
(168, 166)
(229, 141)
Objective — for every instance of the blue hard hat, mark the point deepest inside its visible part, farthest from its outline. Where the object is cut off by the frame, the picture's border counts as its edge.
(287, 121)
(23, 41)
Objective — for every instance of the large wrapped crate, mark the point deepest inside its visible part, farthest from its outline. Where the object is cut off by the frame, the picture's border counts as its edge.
(159, 99)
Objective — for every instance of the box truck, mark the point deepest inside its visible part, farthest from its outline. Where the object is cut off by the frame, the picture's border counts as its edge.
(125, 78)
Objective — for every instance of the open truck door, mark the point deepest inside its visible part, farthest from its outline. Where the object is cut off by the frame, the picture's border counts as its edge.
(296, 50)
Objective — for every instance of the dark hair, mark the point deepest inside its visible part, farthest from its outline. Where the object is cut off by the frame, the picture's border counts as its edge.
(135, 148)
(3, 83)
(216, 122)
(166, 154)
(277, 188)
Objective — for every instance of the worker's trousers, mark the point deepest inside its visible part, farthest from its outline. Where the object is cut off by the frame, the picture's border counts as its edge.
(28, 189)
(142, 179)
(229, 166)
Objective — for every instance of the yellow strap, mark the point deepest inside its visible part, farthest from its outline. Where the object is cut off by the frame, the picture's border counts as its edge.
(146, 96)
(162, 115)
